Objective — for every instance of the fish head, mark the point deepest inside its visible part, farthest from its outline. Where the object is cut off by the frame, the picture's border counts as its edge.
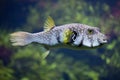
(92, 37)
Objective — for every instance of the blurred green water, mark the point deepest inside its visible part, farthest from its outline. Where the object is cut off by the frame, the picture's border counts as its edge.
(26, 63)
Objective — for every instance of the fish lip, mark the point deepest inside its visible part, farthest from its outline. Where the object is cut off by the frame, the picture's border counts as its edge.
(103, 41)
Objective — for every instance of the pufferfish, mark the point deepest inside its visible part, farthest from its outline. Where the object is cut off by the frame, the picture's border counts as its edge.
(73, 35)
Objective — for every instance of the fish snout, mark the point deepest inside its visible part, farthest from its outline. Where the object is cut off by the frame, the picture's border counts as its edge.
(103, 39)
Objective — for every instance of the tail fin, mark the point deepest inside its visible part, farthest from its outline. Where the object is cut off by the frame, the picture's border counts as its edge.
(20, 38)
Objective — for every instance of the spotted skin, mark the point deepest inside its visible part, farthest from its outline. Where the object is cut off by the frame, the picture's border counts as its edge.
(79, 34)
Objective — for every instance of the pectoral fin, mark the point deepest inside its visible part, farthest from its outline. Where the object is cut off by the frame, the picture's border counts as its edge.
(67, 35)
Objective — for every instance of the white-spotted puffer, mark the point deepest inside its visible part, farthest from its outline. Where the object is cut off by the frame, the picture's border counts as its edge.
(72, 35)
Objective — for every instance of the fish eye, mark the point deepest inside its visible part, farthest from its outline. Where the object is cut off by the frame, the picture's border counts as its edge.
(90, 31)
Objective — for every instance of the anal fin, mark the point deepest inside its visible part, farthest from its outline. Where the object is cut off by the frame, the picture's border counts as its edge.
(45, 54)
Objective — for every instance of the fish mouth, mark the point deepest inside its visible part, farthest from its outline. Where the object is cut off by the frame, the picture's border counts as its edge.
(104, 41)
(99, 43)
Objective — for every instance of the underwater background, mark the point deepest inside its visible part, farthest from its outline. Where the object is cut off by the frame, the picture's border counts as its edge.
(27, 63)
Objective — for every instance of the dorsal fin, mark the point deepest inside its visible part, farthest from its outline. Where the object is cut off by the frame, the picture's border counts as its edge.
(49, 24)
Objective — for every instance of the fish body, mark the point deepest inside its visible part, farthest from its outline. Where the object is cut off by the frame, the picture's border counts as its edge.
(72, 35)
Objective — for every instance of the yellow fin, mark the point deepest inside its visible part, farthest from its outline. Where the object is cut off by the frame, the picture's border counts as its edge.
(45, 54)
(49, 24)
(67, 35)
